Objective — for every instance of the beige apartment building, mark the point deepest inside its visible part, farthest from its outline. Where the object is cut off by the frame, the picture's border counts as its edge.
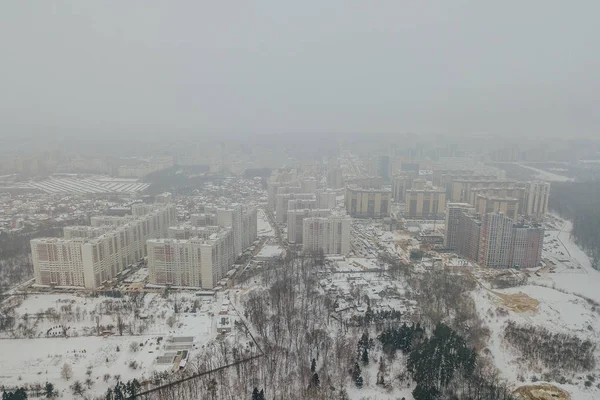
(368, 203)
(426, 202)
(488, 203)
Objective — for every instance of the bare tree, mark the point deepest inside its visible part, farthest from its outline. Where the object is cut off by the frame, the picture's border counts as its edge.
(66, 372)
(120, 324)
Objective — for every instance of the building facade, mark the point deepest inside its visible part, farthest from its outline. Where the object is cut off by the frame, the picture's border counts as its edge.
(90, 261)
(329, 234)
(427, 202)
(368, 203)
(196, 262)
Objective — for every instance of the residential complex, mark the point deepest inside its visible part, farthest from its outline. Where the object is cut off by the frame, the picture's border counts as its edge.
(329, 234)
(86, 260)
(492, 239)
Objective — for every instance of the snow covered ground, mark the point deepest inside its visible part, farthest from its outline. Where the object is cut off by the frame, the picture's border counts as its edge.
(40, 359)
(263, 226)
(561, 309)
(573, 270)
(546, 175)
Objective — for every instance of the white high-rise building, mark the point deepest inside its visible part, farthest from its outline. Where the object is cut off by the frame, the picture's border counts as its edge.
(194, 262)
(295, 222)
(231, 217)
(91, 256)
(330, 234)
(249, 226)
(282, 203)
(326, 199)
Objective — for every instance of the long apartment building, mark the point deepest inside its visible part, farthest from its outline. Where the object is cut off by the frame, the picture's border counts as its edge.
(494, 239)
(90, 256)
(368, 203)
(424, 201)
(195, 262)
(329, 234)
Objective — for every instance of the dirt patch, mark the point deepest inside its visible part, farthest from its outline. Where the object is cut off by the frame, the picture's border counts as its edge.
(518, 302)
(541, 392)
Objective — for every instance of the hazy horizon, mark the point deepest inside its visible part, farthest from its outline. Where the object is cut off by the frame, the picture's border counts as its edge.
(164, 69)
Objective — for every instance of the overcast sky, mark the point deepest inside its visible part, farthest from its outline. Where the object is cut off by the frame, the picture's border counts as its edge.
(299, 67)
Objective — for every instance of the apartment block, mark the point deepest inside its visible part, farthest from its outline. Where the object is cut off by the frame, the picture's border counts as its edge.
(496, 246)
(326, 199)
(204, 219)
(424, 202)
(195, 262)
(296, 222)
(231, 217)
(536, 199)
(461, 188)
(329, 234)
(494, 239)
(184, 232)
(454, 211)
(90, 256)
(400, 183)
(281, 203)
(368, 203)
(488, 203)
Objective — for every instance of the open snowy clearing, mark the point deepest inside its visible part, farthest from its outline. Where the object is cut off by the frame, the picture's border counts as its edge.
(572, 270)
(556, 312)
(134, 355)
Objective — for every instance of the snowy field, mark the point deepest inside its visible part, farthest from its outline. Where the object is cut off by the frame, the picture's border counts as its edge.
(546, 175)
(556, 311)
(132, 355)
(263, 226)
(573, 271)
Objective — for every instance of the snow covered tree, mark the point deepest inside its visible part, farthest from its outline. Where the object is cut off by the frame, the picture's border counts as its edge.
(313, 365)
(49, 391)
(19, 394)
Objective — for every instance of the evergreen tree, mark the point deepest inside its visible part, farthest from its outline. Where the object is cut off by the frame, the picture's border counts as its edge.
(313, 365)
(118, 391)
(315, 382)
(49, 390)
(19, 394)
(256, 395)
(425, 393)
(365, 356)
(357, 375)
(109, 394)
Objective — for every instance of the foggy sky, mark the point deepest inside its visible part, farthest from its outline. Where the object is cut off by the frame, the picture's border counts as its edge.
(219, 68)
